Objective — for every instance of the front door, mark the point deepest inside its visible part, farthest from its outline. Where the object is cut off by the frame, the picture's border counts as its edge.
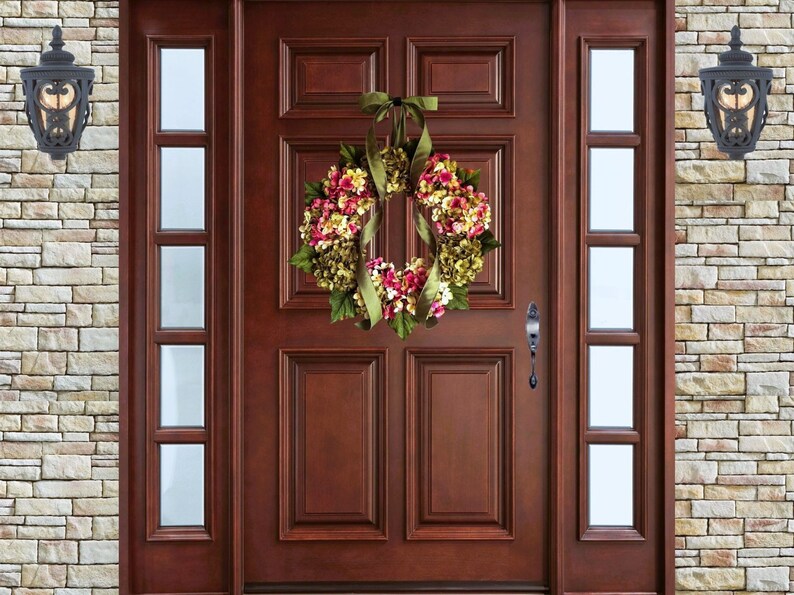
(367, 459)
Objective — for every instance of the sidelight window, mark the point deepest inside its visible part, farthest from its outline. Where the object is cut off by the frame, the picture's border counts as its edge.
(180, 280)
(612, 396)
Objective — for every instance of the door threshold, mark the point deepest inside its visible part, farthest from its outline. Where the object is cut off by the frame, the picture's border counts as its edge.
(387, 587)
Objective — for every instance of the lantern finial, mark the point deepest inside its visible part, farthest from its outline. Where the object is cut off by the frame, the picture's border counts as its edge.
(736, 55)
(736, 41)
(57, 38)
(57, 53)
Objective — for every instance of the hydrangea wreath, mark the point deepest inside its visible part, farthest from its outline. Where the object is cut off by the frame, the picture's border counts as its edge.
(344, 210)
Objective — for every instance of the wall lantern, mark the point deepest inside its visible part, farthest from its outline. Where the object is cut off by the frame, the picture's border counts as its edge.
(56, 99)
(735, 95)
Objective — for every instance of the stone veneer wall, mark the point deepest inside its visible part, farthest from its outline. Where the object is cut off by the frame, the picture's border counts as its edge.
(59, 318)
(735, 337)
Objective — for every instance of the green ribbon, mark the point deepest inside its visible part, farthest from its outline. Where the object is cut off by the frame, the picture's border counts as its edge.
(379, 105)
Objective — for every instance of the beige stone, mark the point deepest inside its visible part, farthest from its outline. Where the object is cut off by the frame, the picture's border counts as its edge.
(66, 467)
(710, 579)
(18, 551)
(710, 171)
(96, 576)
(65, 254)
(710, 383)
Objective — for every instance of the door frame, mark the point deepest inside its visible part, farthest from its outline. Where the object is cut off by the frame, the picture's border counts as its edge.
(130, 280)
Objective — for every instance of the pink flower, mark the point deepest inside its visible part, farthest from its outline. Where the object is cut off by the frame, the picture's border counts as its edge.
(437, 310)
(444, 177)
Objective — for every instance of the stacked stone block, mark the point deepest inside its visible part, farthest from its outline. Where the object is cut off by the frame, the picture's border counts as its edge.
(59, 319)
(735, 321)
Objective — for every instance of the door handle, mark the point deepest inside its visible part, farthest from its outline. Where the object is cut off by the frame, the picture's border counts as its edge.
(533, 338)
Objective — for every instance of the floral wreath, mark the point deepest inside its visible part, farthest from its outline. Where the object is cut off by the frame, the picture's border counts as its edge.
(345, 209)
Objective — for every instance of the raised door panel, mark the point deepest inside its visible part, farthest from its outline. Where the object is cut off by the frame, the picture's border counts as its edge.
(323, 78)
(459, 424)
(332, 451)
(471, 76)
(493, 156)
(305, 160)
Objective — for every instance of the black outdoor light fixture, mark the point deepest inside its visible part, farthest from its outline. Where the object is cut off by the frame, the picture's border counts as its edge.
(56, 99)
(735, 95)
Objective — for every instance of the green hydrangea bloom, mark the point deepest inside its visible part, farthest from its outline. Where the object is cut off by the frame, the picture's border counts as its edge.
(395, 161)
(459, 258)
(335, 267)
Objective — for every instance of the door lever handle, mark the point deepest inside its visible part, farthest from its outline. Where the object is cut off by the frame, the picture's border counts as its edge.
(533, 338)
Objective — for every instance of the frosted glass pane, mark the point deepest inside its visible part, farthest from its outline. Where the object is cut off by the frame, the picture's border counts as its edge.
(612, 90)
(182, 89)
(611, 189)
(611, 386)
(182, 287)
(181, 485)
(181, 385)
(611, 489)
(182, 188)
(612, 288)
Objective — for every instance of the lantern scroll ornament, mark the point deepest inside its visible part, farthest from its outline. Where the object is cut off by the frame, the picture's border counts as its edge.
(735, 94)
(56, 99)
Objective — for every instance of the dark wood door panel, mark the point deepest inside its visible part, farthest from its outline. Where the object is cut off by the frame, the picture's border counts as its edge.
(306, 159)
(459, 421)
(323, 78)
(494, 157)
(471, 76)
(332, 448)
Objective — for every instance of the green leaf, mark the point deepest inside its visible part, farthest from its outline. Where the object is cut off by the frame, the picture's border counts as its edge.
(312, 190)
(488, 242)
(304, 258)
(469, 177)
(348, 154)
(403, 324)
(460, 298)
(342, 305)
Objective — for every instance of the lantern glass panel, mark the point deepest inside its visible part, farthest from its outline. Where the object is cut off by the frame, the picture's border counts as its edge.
(58, 102)
(733, 98)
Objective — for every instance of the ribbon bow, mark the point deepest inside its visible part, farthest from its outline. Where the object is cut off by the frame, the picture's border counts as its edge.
(380, 104)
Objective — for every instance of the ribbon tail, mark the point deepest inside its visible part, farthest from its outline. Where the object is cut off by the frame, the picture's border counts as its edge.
(365, 286)
(423, 147)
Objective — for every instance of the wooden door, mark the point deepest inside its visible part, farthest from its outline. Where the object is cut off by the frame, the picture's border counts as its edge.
(369, 460)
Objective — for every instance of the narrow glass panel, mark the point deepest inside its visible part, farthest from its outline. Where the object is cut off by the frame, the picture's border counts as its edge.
(182, 89)
(181, 485)
(612, 90)
(182, 188)
(181, 385)
(611, 189)
(612, 288)
(182, 287)
(611, 386)
(611, 485)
